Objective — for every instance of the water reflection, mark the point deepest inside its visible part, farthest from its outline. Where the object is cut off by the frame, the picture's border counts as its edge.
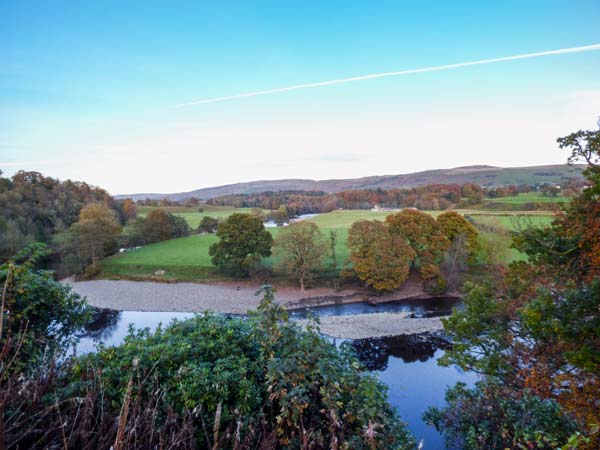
(110, 327)
(103, 324)
(374, 353)
(432, 307)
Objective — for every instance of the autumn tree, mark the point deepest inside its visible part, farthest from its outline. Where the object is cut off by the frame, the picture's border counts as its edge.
(421, 232)
(454, 225)
(300, 250)
(93, 236)
(128, 209)
(34, 207)
(158, 226)
(536, 333)
(379, 258)
(243, 240)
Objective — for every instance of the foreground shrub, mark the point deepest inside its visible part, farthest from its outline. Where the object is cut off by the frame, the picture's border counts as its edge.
(39, 316)
(212, 382)
(491, 416)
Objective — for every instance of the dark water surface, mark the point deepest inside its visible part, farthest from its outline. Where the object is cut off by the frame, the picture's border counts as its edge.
(406, 364)
(432, 307)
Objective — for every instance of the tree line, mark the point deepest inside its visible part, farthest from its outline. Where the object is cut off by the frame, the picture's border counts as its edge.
(80, 224)
(34, 207)
(434, 197)
(382, 254)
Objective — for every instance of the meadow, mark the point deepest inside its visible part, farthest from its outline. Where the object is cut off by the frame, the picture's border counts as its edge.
(192, 214)
(519, 200)
(188, 259)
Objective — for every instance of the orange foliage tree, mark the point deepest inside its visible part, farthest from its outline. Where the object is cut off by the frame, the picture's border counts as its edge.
(422, 233)
(379, 258)
(454, 225)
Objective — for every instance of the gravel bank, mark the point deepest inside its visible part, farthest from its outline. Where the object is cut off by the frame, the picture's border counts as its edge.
(240, 298)
(361, 326)
(190, 297)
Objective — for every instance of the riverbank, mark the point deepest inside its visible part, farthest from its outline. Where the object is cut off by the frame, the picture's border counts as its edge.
(239, 298)
(363, 326)
(234, 298)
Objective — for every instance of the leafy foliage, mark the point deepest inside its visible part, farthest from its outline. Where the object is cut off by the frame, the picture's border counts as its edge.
(536, 335)
(35, 208)
(454, 225)
(379, 258)
(243, 240)
(300, 250)
(157, 226)
(94, 236)
(492, 417)
(214, 382)
(39, 316)
(421, 232)
(208, 225)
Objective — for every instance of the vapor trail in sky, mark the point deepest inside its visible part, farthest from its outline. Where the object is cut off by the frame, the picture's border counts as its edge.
(562, 51)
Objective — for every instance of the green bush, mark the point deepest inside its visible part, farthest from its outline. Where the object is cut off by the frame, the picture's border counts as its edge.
(220, 382)
(40, 316)
(493, 417)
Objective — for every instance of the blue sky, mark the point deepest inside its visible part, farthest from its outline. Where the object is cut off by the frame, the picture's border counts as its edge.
(88, 90)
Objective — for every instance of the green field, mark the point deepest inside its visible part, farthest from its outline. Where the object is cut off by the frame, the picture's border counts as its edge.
(528, 197)
(512, 222)
(192, 215)
(187, 258)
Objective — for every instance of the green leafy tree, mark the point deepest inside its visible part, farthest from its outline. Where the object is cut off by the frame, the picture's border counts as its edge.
(243, 240)
(179, 226)
(300, 250)
(208, 225)
(585, 147)
(281, 216)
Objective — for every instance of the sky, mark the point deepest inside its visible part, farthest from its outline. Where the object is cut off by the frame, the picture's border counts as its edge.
(115, 93)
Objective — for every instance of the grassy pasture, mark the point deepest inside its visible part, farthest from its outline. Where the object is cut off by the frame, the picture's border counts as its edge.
(192, 215)
(512, 222)
(529, 197)
(187, 258)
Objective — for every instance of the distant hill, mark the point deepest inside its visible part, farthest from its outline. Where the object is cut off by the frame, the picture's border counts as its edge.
(482, 175)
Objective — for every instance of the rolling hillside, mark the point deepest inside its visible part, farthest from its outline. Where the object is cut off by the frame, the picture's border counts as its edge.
(482, 175)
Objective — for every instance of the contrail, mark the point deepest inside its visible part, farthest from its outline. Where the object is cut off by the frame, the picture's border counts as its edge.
(562, 51)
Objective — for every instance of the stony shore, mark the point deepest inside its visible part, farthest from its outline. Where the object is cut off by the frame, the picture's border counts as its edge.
(361, 326)
(235, 298)
(239, 298)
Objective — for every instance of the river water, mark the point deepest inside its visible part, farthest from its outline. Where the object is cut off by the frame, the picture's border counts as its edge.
(406, 364)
